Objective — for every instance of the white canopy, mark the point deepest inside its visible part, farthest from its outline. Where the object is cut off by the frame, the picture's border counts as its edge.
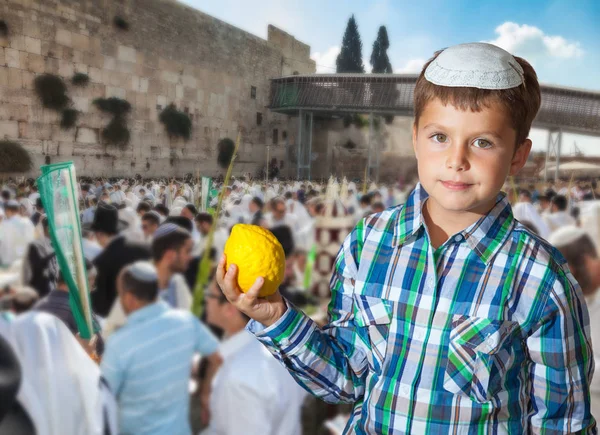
(576, 168)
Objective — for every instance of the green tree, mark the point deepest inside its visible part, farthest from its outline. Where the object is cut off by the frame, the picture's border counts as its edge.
(350, 58)
(380, 62)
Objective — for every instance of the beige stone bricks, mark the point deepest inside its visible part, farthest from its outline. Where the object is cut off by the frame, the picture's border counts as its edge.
(9, 129)
(12, 58)
(64, 37)
(33, 45)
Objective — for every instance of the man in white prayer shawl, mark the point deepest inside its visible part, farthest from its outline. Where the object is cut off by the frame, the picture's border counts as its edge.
(61, 388)
(525, 212)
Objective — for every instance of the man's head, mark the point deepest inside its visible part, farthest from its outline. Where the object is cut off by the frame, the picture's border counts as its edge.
(378, 207)
(204, 222)
(162, 210)
(365, 201)
(189, 211)
(5, 195)
(220, 313)
(579, 251)
(150, 223)
(137, 285)
(278, 208)
(525, 196)
(23, 298)
(467, 140)
(256, 204)
(142, 208)
(172, 247)
(544, 202)
(558, 203)
(11, 208)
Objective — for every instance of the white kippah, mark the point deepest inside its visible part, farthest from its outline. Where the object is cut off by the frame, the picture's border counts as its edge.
(475, 65)
(143, 271)
(565, 236)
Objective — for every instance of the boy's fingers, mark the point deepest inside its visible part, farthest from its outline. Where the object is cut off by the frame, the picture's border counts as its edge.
(221, 270)
(229, 285)
(252, 293)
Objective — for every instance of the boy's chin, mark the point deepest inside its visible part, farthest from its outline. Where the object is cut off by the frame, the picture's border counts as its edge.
(456, 204)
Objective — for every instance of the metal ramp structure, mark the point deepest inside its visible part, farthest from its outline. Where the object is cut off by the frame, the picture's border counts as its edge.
(563, 110)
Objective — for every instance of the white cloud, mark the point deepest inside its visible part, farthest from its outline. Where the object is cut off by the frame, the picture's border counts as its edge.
(413, 66)
(531, 42)
(326, 61)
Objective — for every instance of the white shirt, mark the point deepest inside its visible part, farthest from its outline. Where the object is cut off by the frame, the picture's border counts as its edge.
(253, 387)
(219, 239)
(16, 233)
(33, 197)
(558, 220)
(526, 212)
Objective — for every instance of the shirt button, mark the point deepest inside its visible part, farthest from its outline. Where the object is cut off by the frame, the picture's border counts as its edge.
(405, 390)
(285, 342)
(419, 334)
(491, 342)
(429, 282)
(458, 238)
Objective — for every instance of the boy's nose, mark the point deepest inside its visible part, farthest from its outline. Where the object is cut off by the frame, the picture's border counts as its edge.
(457, 159)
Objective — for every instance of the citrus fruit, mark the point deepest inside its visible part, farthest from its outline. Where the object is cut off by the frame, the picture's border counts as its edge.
(256, 252)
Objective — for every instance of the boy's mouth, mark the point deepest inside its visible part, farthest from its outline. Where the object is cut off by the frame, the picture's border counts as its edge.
(456, 185)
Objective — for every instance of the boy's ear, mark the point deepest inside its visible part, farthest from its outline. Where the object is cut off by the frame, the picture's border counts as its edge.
(520, 157)
(414, 138)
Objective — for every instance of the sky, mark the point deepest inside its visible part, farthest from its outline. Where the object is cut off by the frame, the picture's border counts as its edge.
(560, 38)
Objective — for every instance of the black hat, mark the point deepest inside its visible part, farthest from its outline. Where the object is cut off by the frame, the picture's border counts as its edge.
(284, 235)
(106, 220)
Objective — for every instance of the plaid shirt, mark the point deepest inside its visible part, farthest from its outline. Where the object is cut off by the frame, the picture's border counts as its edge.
(488, 333)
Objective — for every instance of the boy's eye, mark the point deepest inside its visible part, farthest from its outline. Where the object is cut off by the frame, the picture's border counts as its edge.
(482, 143)
(439, 137)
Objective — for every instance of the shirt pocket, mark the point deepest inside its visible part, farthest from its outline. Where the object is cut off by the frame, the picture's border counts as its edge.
(479, 355)
(375, 316)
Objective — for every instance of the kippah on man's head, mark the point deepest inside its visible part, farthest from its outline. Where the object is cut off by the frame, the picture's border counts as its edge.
(143, 271)
(141, 280)
(168, 228)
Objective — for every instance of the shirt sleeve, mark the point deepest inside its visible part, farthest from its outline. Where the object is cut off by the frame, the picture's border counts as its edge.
(112, 369)
(206, 342)
(330, 362)
(563, 364)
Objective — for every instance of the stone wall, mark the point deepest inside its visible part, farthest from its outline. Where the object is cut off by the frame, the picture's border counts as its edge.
(171, 53)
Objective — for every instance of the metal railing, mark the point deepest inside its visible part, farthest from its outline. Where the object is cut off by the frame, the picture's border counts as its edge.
(568, 109)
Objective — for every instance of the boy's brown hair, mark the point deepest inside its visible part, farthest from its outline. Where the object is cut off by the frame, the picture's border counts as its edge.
(521, 103)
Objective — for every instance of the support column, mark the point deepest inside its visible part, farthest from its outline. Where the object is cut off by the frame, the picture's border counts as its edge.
(554, 149)
(305, 129)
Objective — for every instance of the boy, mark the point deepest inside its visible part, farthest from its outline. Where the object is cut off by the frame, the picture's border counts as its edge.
(447, 315)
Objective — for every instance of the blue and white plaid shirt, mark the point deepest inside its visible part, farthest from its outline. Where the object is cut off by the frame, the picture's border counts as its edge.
(489, 333)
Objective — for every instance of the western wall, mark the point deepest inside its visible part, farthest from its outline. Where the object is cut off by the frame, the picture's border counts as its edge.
(168, 54)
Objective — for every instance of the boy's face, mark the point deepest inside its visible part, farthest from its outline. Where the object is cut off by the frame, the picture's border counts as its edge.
(464, 157)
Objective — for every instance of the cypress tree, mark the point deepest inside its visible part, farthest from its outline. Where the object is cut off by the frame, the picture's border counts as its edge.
(350, 58)
(380, 62)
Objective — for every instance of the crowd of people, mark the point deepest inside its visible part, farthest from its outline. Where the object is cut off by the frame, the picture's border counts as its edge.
(161, 369)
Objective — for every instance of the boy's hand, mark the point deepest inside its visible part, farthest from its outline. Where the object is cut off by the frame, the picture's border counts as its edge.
(264, 310)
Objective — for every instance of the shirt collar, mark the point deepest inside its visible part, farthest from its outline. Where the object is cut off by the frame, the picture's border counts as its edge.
(148, 312)
(233, 344)
(485, 237)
